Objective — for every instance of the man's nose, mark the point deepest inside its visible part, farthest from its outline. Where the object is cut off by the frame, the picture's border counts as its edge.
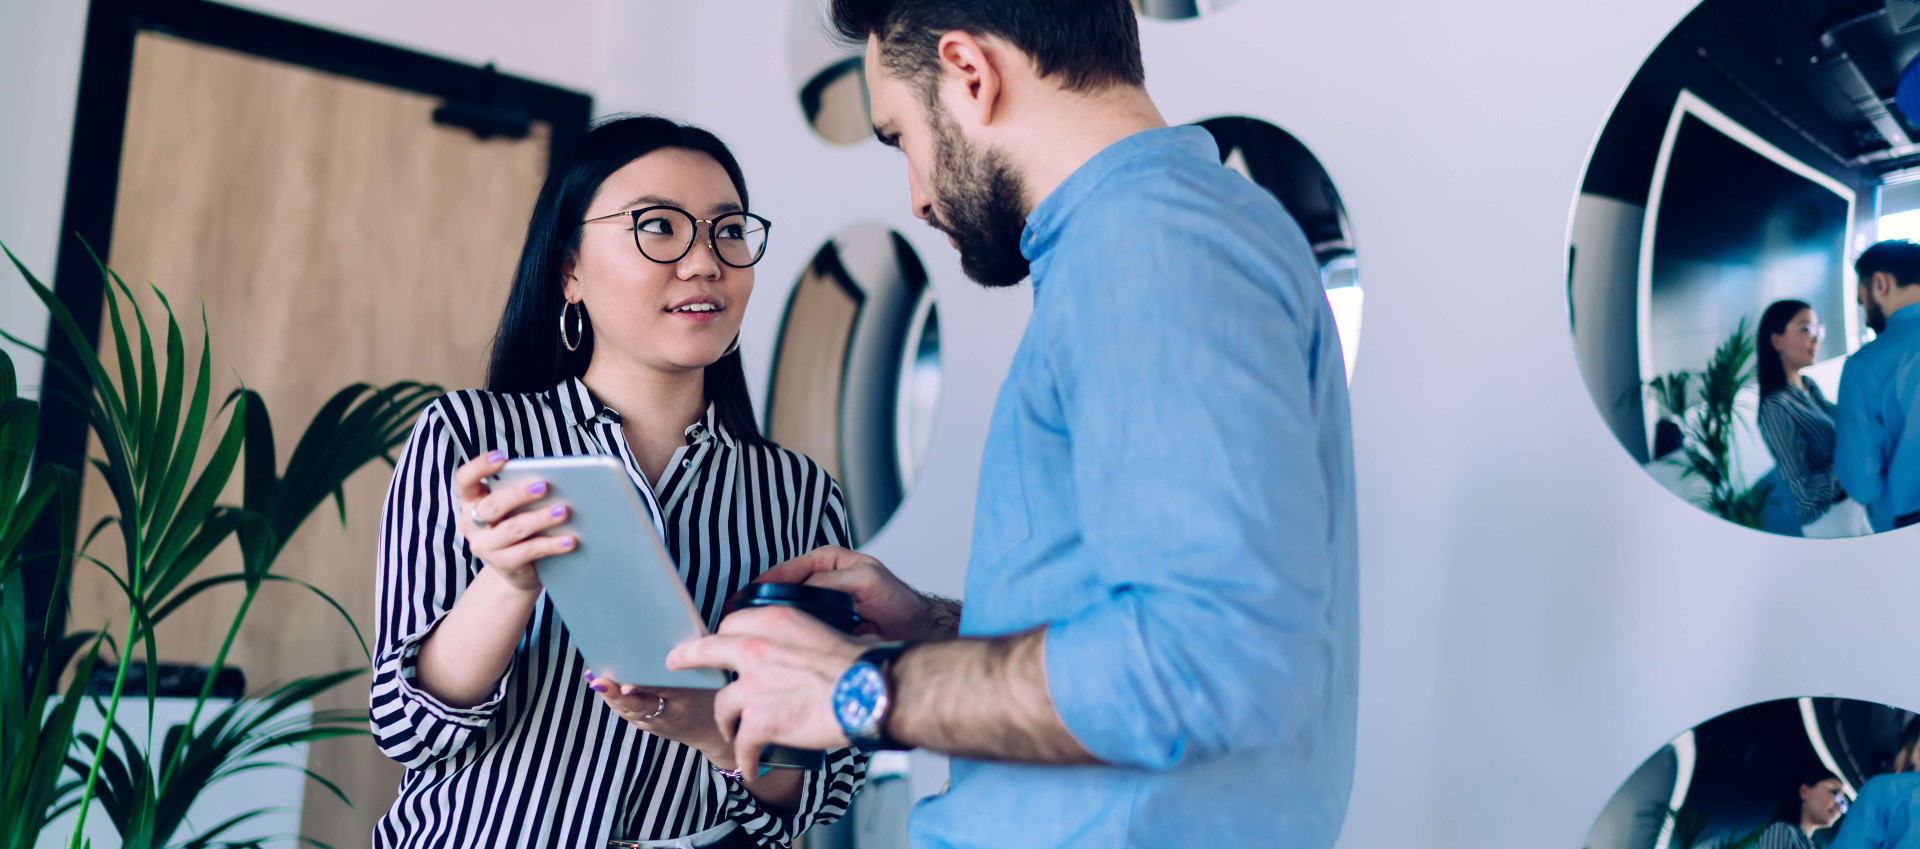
(922, 205)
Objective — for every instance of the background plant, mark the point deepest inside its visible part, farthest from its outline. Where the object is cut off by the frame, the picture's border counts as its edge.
(1707, 427)
(150, 432)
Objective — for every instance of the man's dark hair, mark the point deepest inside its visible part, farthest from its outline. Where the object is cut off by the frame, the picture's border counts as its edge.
(1897, 257)
(1091, 44)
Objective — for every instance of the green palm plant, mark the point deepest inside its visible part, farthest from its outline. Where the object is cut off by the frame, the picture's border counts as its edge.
(33, 739)
(150, 433)
(147, 807)
(1708, 428)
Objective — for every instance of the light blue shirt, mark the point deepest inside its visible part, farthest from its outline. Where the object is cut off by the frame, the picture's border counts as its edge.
(1882, 816)
(1877, 450)
(1168, 487)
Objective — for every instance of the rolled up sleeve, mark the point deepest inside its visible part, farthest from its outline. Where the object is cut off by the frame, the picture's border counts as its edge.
(423, 566)
(1208, 485)
(1859, 448)
(824, 797)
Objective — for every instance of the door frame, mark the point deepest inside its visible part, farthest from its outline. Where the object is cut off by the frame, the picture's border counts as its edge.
(93, 178)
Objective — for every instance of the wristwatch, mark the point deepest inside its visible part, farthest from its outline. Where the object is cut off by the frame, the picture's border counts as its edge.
(860, 698)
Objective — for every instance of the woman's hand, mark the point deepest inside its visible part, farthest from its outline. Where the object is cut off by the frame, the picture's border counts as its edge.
(680, 714)
(511, 540)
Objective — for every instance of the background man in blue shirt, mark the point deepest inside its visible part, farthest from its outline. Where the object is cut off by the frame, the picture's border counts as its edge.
(1158, 646)
(1885, 812)
(1877, 446)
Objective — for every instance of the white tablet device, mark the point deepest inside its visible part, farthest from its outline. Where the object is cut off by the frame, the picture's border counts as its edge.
(618, 592)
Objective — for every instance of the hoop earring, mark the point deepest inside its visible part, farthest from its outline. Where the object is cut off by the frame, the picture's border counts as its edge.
(732, 348)
(579, 325)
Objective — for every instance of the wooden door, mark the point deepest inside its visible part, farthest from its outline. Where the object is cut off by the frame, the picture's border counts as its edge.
(334, 234)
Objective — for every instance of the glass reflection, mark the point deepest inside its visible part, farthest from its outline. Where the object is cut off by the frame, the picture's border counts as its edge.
(1792, 773)
(831, 85)
(1174, 10)
(1278, 162)
(856, 375)
(1730, 196)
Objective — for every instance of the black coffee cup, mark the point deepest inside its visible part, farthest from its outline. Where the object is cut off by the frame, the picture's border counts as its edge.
(832, 607)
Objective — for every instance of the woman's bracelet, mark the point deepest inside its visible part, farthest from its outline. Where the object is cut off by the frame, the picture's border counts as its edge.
(735, 774)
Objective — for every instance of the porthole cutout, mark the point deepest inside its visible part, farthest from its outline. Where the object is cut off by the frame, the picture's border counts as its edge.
(1710, 278)
(831, 85)
(1177, 10)
(1275, 160)
(1793, 772)
(857, 374)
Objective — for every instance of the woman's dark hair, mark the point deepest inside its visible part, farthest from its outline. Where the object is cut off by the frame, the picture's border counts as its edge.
(528, 354)
(1773, 375)
(1791, 803)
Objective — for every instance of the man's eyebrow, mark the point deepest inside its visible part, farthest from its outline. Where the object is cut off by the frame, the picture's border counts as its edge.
(886, 136)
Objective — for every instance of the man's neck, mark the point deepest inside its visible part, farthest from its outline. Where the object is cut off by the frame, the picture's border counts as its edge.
(1074, 128)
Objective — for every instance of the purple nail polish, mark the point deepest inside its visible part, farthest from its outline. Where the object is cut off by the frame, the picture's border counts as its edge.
(537, 487)
(557, 511)
(587, 675)
(566, 543)
(497, 457)
(599, 688)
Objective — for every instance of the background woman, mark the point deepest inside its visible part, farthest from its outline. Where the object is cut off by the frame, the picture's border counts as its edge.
(1818, 804)
(1796, 421)
(620, 337)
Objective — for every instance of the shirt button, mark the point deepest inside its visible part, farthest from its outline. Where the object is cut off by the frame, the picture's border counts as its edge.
(686, 464)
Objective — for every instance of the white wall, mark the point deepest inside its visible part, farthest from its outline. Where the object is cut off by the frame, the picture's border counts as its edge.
(39, 77)
(1538, 615)
(555, 41)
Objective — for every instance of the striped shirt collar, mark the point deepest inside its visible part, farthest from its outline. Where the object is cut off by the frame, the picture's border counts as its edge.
(579, 407)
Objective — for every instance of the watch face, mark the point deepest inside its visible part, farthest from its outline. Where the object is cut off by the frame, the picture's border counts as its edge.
(859, 697)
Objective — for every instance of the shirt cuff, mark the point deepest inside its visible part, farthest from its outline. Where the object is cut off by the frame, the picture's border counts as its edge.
(1105, 690)
(471, 717)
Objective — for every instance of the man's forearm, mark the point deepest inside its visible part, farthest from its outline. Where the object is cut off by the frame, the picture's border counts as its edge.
(981, 698)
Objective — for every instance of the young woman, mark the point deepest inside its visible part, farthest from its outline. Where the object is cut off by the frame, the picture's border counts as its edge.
(620, 337)
(1796, 422)
(1818, 804)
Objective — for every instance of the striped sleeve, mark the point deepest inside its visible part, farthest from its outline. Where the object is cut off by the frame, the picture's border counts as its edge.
(1813, 491)
(827, 792)
(1781, 835)
(423, 566)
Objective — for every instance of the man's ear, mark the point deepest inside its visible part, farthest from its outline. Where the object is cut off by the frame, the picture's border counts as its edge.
(972, 74)
(1883, 284)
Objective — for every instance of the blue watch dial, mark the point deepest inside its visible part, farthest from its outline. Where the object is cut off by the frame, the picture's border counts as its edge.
(860, 701)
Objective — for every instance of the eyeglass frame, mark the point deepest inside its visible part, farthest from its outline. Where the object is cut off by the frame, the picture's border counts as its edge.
(711, 244)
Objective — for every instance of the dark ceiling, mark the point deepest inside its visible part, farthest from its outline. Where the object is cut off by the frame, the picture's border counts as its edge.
(1802, 39)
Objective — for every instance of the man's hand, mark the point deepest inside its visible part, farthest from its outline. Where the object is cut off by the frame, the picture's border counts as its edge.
(894, 610)
(788, 663)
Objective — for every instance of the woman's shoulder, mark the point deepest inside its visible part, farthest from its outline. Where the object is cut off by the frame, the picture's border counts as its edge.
(787, 461)
(468, 414)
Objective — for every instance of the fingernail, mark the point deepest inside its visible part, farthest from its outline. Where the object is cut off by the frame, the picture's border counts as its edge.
(567, 543)
(599, 687)
(557, 511)
(587, 675)
(537, 487)
(626, 689)
(497, 457)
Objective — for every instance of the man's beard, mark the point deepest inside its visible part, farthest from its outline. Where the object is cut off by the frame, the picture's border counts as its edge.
(1876, 316)
(977, 199)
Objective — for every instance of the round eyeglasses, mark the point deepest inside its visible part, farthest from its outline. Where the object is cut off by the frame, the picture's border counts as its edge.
(665, 234)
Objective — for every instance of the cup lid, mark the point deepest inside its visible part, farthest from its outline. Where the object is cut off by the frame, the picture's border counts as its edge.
(815, 599)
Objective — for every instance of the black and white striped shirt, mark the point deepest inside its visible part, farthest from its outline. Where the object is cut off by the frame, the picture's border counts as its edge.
(1797, 425)
(544, 762)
